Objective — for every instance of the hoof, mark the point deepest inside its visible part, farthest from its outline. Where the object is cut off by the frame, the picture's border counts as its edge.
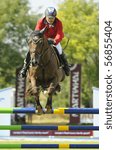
(48, 109)
(40, 110)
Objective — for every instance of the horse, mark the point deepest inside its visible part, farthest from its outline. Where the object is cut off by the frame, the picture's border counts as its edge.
(45, 71)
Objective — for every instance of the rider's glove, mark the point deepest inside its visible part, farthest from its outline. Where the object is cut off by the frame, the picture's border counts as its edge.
(51, 41)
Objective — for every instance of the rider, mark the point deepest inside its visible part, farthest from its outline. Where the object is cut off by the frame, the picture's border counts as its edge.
(54, 34)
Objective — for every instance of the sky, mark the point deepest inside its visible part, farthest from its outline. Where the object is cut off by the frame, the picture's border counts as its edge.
(35, 4)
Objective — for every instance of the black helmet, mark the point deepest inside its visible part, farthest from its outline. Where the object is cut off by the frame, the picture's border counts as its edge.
(50, 11)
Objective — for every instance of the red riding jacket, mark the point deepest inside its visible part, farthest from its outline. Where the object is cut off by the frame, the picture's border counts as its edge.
(54, 31)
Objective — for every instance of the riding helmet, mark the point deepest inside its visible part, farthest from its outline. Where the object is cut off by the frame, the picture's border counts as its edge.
(50, 11)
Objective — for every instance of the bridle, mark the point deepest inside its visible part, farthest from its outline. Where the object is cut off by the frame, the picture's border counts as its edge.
(39, 55)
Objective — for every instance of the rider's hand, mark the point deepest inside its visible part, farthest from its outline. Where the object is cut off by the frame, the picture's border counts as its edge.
(51, 41)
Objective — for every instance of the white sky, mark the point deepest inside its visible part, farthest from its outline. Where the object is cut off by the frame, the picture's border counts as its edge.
(35, 4)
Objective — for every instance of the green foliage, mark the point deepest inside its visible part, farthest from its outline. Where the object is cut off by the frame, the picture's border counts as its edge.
(62, 99)
(14, 23)
(80, 21)
(9, 60)
(15, 20)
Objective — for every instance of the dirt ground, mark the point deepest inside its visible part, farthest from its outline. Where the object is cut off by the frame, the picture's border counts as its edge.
(47, 119)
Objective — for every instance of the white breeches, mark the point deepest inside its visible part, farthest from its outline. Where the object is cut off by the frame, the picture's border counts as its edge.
(59, 48)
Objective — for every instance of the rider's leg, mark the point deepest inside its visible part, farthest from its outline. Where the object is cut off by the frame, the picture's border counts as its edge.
(64, 60)
(25, 65)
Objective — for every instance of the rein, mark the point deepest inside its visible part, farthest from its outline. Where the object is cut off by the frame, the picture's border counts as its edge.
(43, 52)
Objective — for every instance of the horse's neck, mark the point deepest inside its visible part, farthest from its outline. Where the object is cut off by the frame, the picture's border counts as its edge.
(47, 52)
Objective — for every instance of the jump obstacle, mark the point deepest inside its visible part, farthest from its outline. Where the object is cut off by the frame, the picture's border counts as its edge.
(52, 127)
(80, 146)
(54, 111)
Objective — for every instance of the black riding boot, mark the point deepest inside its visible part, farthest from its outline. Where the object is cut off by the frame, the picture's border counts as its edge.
(65, 63)
(25, 66)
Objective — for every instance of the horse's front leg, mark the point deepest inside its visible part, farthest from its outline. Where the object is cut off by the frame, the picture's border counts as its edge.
(36, 92)
(38, 105)
(49, 104)
(51, 91)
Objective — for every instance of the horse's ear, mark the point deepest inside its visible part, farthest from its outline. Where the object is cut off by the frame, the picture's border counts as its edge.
(43, 30)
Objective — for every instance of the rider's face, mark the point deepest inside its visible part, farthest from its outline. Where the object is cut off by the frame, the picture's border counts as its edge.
(50, 19)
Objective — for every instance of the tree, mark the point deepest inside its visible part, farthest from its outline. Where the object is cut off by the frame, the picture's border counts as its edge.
(14, 22)
(9, 60)
(80, 20)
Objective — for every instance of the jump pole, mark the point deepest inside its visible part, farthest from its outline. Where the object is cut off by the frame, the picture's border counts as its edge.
(46, 127)
(54, 111)
(74, 146)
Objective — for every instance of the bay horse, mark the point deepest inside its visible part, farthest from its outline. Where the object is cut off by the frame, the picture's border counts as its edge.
(45, 71)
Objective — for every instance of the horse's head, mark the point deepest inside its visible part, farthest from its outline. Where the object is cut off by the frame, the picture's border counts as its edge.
(37, 44)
